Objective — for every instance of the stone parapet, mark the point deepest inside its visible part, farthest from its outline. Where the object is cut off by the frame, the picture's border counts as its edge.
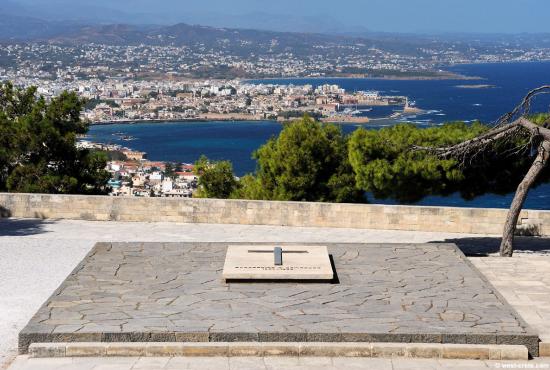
(249, 212)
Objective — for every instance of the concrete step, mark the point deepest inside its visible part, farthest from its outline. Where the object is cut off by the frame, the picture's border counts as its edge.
(408, 350)
(544, 346)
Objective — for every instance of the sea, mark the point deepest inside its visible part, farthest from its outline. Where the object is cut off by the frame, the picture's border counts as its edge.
(441, 100)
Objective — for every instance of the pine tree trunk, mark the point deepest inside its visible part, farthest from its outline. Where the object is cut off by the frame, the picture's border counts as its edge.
(507, 245)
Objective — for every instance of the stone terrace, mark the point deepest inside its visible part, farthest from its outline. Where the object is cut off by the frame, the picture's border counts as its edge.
(37, 255)
(165, 292)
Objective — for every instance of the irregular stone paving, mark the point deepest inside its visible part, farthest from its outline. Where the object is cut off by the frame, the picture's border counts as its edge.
(267, 363)
(174, 292)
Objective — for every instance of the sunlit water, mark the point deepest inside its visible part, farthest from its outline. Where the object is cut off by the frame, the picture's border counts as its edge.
(443, 101)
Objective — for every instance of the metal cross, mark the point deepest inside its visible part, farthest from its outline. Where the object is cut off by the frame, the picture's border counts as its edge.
(278, 254)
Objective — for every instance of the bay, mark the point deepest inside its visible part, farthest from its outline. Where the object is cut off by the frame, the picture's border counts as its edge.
(442, 99)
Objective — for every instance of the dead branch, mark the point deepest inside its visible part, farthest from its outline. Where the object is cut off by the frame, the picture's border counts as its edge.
(524, 108)
(511, 126)
(473, 147)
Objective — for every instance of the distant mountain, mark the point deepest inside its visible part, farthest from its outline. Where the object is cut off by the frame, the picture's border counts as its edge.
(272, 22)
(10, 7)
(116, 22)
(61, 11)
(242, 41)
(239, 41)
(114, 12)
(28, 28)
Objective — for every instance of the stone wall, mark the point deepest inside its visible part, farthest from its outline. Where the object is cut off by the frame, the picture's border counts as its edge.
(102, 208)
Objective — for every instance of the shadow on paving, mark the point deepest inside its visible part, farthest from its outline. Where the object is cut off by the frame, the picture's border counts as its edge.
(473, 246)
(21, 227)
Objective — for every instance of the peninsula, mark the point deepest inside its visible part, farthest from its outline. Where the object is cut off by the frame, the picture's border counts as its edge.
(227, 100)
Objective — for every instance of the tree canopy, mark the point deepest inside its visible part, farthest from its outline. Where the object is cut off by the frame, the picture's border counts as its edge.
(308, 161)
(312, 161)
(386, 164)
(519, 136)
(216, 179)
(38, 152)
(170, 170)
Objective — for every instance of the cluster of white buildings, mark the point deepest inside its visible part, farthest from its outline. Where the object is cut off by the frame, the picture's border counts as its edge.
(147, 82)
(215, 99)
(138, 177)
(149, 179)
(57, 65)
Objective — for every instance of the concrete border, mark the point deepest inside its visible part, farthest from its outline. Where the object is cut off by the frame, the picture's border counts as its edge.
(249, 212)
(544, 349)
(409, 350)
(544, 346)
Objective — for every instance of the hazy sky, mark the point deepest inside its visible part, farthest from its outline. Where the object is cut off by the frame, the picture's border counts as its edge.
(495, 16)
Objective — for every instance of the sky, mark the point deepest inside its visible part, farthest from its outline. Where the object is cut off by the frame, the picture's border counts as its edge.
(410, 16)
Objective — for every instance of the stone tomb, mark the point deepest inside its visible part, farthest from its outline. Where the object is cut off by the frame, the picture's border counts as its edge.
(271, 262)
(175, 292)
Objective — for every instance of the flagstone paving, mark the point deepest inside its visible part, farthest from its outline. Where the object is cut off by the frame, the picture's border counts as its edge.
(174, 292)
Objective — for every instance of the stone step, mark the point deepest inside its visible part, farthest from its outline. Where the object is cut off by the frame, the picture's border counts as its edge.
(409, 350)
(544, 347)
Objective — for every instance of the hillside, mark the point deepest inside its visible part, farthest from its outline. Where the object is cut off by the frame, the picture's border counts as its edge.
(14, 28)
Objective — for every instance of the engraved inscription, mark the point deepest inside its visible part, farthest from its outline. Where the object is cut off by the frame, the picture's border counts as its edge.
(286, 262)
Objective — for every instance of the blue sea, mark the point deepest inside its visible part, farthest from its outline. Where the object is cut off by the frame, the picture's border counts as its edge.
(442, 100)
(445, 101)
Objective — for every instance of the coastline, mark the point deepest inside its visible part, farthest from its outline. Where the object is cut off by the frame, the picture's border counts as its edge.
(179, 120)
(481, 86)
(360, 120)
(449, 77)
(339, 120)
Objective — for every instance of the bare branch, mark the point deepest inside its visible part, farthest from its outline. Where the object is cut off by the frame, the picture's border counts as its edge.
(534, 128)
(474, 147)
(524, 108)
(475, 143)
(511, 126)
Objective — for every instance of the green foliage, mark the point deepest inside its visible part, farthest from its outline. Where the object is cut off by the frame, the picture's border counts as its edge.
(249, 188)
(92, 103)
(311, 161)
(37, 145)
(308, 161)
(386, 165)
(169, 170)
(542, 119)
(216, 179)
(294, 114)
(114, 155)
